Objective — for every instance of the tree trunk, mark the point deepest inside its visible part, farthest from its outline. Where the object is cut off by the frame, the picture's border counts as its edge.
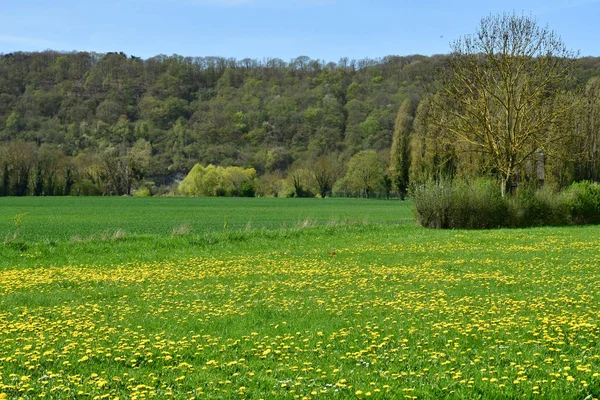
(506, 184)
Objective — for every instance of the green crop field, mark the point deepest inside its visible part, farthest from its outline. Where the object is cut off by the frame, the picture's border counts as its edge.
(289, 298)
(62, 218)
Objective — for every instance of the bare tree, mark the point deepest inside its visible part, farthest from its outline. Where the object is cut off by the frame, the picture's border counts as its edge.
(499, 91)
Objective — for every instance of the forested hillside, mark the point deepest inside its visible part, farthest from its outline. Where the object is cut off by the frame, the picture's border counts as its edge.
(85, 123)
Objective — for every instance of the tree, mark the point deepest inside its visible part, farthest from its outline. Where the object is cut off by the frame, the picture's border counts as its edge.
(123, 166)
(20, 159)
(218, 181)
(587, 127)
(499, 92)
(270, 115)
(400, 152)
(51, 170)
(240, 181)
(365, 172)
(431, 157)
(300, 179)
(324, 170)
(5, 188)
(271, 184)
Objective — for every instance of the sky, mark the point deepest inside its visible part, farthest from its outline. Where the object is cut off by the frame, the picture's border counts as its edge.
(320, 29)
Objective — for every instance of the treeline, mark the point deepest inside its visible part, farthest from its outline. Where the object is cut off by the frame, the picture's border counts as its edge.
(91, 110)
(85, 123)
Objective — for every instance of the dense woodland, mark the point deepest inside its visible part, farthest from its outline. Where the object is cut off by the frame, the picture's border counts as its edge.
(88, 124)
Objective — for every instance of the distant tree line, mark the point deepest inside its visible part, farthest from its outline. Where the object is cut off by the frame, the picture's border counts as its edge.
(90, 124)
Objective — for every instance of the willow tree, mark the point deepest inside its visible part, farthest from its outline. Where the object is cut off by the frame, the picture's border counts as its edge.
(500, 91)
(587, 120)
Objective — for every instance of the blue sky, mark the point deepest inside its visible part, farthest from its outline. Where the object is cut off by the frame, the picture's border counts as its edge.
(320, 29)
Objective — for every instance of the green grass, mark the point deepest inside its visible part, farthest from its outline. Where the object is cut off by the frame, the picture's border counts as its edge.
(357, 303)
(108, 230)
(61, 218)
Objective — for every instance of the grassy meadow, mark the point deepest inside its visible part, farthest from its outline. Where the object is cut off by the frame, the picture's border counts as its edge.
(106, 298)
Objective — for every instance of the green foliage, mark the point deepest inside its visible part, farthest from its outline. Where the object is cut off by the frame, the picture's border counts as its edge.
(540, 207)
(479, 205)
(325, 170)
(218, 181)
(505, 111)
(85, 187)
(106, 122)
(265, 115)
(142, 192)
(365, 173)
(584, 202)
(199, 182)
(456, 204)
(299, 182)
(432, 203)
(400, 151)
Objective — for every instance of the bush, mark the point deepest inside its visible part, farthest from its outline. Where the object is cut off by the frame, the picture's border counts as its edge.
(538, 208)
(459, 205)
(85, 187)
(583, 200)
(432, 203)
(143, 191)
(247, 190)
(447, 204)
(478, 206)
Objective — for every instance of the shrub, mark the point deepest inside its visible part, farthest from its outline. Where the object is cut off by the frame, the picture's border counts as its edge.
(432, 203)
(583, 200)
(538, 208)
(479, 205)
(142, 192)
(85, 187)
(247, 190)
(447, 204)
